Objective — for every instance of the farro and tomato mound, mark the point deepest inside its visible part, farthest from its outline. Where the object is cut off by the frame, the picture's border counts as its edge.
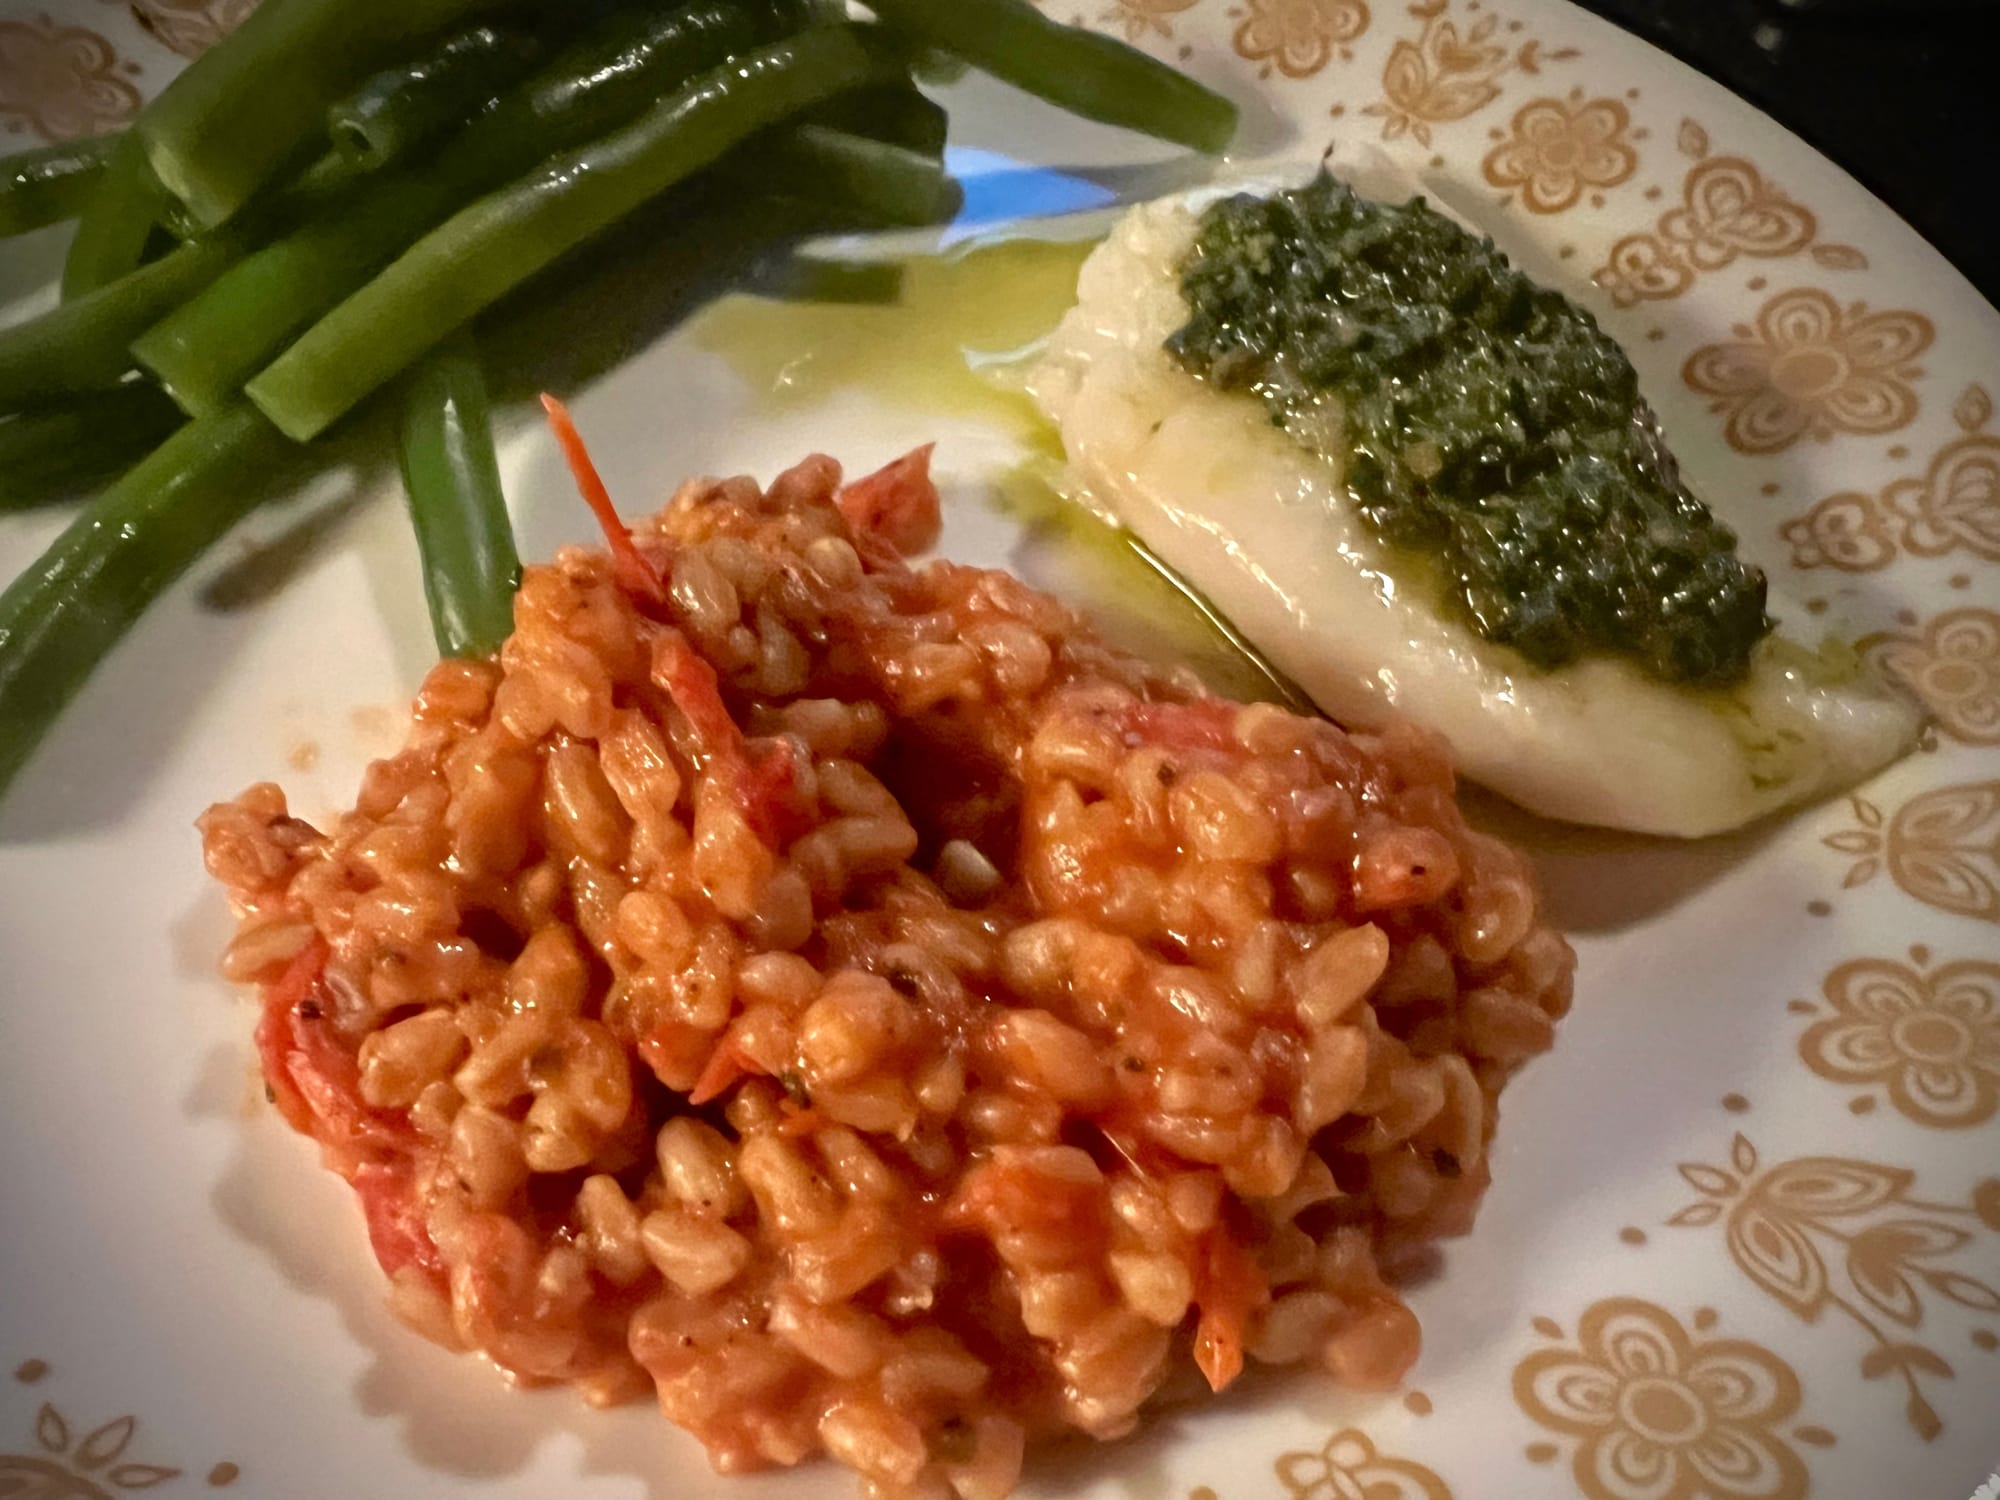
(853, 1002)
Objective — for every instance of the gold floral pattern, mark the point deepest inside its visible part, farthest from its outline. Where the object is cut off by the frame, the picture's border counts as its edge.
(78, 1466)
(1659, 1413)
(1952, 665)
(61, 82)
(1297, 37)
(1444, 74)
(1973, 409)
(1142, 18)
(1808, 367)
(1954, 506)
(1728, 209)
(1557, 150)
(66, 1464)
(1942, 847)
(1831, 1233)
(191, 27)
(1929, 1038)
(1347, 1467)
(1846, 531)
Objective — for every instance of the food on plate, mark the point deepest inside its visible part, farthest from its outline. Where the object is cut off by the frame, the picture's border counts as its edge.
(458, 511)
(58, 454)
(49, 184)
(76, 601)
(339, 188)
(1423, 485)
(849, 1001)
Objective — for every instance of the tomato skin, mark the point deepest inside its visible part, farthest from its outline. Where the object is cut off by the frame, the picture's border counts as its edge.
(1208, 724)
(396, 1231)
(897, 505)
(1229, 1292)
(686, 677)
(764, 784)
(315, 1082)
(677, 1053)
(635, 572)
(1013, 1196)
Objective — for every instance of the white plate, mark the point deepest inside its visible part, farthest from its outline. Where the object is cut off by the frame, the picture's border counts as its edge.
(1745, 1235)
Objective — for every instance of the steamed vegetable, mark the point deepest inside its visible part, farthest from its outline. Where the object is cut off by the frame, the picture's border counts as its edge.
(116, 222)
(58, 451)
(207, 348)
(61, 618)
(1084, 72)
(477, 256)
(883, 183)
(411, 103)
(50, 183)
(451, 480)
(85, 345)
(257, 100)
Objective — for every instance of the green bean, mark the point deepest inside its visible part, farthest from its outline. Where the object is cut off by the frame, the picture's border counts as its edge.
(204, 351)
(480, 254)
(1081, 71)
(116, 223)
(55, 452)
(322, 183)
(457, 509)
(61, 617)
(205, 348)
(883, 183)
(898, 115)
(931, 66)
(50, 183)
(409, 104)
(85, 345)
(255, 101)
(620, 67)
(797, 15)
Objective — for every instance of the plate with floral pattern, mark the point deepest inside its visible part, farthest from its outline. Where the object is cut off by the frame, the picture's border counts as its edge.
(1744, 1237)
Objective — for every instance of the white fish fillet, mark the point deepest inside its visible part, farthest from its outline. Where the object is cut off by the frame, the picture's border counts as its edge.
(1265, 529)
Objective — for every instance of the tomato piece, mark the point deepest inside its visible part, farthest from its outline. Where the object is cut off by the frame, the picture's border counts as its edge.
(767, 790)
(685, 676)
(728, 1063)
(1206, 724)
(396, 1231)
(764, 786)
(1229, 1292)
(897, 504)
(315, 1082)
(635, 574)
(1014, 1195)
(274, 1031)
(799, 1121)
(676, 1052)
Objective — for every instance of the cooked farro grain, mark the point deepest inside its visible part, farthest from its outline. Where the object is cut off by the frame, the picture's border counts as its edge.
(853, 1002)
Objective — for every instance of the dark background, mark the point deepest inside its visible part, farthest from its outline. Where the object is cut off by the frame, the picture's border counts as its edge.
(1905, 94)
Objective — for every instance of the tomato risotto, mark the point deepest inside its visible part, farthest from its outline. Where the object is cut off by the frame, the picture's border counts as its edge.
(851, 1002)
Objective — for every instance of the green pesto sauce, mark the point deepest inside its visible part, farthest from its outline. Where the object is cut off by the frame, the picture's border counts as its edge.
(1485, 422)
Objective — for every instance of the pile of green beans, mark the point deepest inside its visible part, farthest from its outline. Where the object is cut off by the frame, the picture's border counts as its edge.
(207, 350)
(400, 109)
(316, 214)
